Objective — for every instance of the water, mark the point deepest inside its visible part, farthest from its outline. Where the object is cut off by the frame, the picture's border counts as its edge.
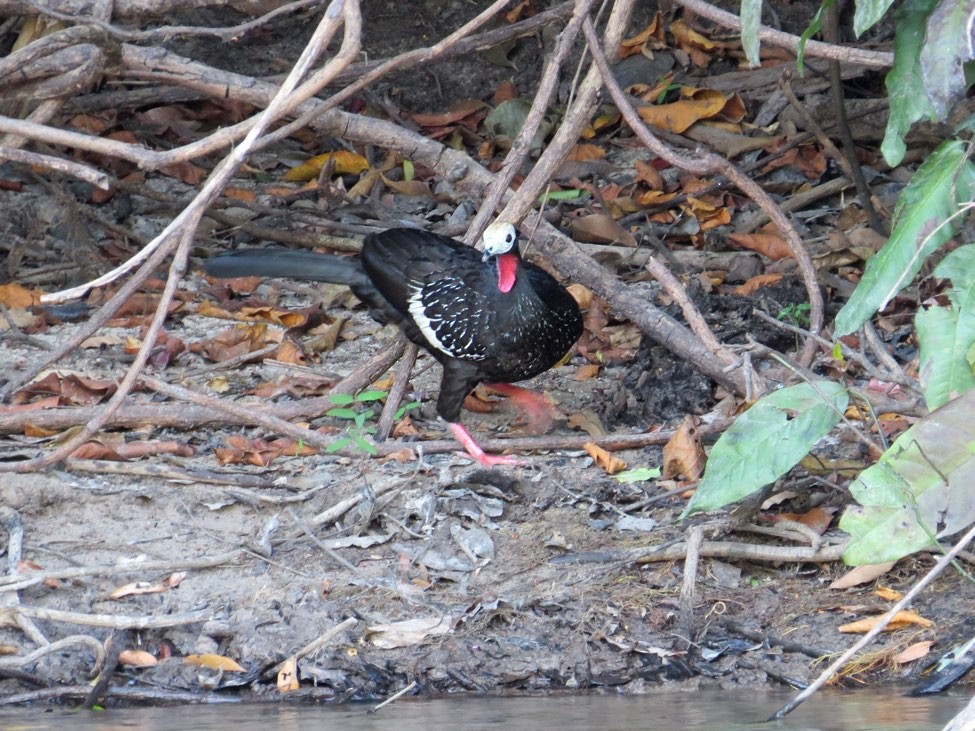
(682, 711)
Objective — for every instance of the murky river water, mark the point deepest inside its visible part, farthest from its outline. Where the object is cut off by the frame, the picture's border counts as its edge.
(708, 711)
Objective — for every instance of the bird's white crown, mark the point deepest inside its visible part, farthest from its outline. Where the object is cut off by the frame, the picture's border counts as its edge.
(499, 238)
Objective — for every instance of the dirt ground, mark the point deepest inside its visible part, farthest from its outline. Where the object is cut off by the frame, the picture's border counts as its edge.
(549, 577)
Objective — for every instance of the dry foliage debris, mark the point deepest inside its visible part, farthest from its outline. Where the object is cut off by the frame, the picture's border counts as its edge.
(630, 132)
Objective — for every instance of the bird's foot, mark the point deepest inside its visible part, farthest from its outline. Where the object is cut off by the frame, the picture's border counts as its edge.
(475, 452)
(538, 411)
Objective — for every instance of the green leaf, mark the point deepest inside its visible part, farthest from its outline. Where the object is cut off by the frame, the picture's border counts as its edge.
(947, 47)
(338, 444)
(922, 487)
(945, 334)
(815, 25)
(370, 396)
(868, 13)
(341, 399)
(365, 445)
(751, 19)
(767, 441)
(342, 413)
(905, 84)
(408, 170)
(919, 229)
(638, 474)
(360, 419)
(403, 409)
(570, 194)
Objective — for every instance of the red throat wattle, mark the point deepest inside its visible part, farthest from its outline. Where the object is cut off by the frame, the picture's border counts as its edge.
(507, 268)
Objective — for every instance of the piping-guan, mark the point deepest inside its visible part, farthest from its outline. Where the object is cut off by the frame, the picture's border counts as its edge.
(491, 318)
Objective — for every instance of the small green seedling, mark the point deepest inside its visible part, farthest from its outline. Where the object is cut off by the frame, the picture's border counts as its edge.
(351, 408)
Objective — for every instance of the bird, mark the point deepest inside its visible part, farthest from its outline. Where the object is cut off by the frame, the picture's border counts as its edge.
(488, 317)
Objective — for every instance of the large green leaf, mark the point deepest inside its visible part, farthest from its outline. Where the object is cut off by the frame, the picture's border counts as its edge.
(922, 487)
(767, 441)
(920, 227)
(905, 85)
(946, 334)
(947, 47)
(868, 13)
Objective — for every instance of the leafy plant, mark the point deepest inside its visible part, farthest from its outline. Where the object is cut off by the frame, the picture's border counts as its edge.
(767, 441)
(352, 409)
(796, 313)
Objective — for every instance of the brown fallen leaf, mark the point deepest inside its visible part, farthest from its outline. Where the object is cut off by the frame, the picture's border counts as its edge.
(345, 162)
(771, 245)
(600, 228)
(214, 662)
(14, 296)
(913, 652)
(137, 659)
(587, 372)
(756, 283)
(603, 458)
(860, 575)
(287, 679)
(888, 594)
(684, 454)
(901, 620)
(138, 588)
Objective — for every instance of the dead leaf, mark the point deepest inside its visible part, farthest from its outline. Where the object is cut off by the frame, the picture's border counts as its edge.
(652, 33)
(647, 173)
(817, 519)
(901, 620)
(771, 245)
(756, 283)
(214, 662)
(185, 172)
(15, 296)
(137, 659)
(415, 188)
(346, 163)
(588, 422)
(405, 428)
(408, 633)
(587, 372)
(861, 575)
(600, 228)
(684, 454)
(585, 152)
(603, 458)
(71, 388)
(693, 106)
(888, 594)
(401, 455)
(138, 588)
(581, 295)
(287, 679)
(458, 112)
(914, 652)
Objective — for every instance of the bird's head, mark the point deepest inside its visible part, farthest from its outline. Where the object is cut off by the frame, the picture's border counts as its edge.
(499, 238)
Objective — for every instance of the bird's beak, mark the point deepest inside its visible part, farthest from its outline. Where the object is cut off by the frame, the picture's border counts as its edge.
(486, 256)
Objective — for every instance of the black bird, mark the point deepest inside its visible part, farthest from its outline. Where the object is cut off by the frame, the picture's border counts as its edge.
(491, 318)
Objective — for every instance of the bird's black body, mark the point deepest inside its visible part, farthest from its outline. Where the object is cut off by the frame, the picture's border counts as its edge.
(447, 299)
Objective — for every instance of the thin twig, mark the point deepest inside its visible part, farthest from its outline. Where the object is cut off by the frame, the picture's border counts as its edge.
(943, 563)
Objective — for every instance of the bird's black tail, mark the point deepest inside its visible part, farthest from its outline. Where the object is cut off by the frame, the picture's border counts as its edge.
(302, 265)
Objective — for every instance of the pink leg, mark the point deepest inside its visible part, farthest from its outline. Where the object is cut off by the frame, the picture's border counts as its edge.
(474, 450)
(537, 409)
